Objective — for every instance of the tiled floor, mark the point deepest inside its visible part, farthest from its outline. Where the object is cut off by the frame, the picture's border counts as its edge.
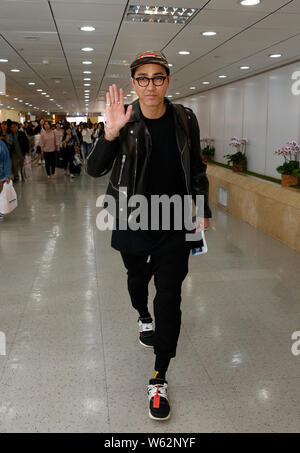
(73, 361)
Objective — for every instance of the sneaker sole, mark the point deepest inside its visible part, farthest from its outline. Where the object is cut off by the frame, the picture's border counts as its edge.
(145, 345)
(160, 419)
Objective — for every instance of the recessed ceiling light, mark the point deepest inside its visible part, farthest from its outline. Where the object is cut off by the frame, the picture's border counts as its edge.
(15, 70)
(222, 76)
(51, 99)
(87, 62)
(39, 90)
(87, 72)
(16, 99)
(31, 83)
(205, 83)
(47, 96)
(170, 65)
(87, 91)
(245, 67)
(275, 55)
(177, 93)
(170, 96)
(3, 60)
(87, 84)
(249, 2)
(87, 78)
(87, 49)
(43, 93)
(133, 92)
(20, 100)
(184, 52)
(87, 28)
(209, 33)
(192, 88)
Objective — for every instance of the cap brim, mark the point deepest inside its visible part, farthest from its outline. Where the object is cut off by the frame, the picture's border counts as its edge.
(149, 60)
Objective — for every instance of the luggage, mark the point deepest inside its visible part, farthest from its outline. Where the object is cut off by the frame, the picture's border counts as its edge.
(60, 160)
(8, 198)
(76, 166)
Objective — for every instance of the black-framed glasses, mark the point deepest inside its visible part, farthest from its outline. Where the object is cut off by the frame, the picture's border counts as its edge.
(157, 81)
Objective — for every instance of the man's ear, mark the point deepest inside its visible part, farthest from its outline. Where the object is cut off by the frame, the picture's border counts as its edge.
(133, 83)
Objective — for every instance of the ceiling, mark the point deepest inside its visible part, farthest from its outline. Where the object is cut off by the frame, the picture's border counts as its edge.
(42, 39)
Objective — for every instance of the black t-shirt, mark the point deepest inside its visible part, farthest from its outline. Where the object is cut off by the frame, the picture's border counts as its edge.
(165, 176)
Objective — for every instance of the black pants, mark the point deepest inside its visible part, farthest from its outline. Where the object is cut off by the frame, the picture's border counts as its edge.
(169, 271)
(50, 162)
(68, 156)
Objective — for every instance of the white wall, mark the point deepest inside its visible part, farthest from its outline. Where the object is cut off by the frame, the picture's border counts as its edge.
(262, 109)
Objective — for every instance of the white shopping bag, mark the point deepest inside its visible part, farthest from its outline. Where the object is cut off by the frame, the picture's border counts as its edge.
(8, 198)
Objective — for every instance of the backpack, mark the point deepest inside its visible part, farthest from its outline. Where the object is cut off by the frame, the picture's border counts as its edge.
(184, 115)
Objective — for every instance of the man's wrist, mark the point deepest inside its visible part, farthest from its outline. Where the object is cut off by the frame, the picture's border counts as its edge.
(111, 133)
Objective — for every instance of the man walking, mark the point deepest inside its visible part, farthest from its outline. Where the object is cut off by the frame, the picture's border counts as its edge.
(153, 147)
(20, 147)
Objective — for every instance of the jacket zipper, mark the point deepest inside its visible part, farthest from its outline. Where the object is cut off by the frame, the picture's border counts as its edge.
(185, 177)
(135, 168)
(122, 168)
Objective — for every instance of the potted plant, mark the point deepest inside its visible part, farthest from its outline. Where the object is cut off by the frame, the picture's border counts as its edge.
(290, 171)
(238, 159)
(208, 149)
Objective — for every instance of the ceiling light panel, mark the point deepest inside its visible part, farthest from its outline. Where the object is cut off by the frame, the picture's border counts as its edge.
(160, 14)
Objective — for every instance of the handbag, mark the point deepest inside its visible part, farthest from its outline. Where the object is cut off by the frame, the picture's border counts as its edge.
(8, 198)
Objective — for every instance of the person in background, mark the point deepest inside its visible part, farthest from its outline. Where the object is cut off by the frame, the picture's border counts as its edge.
(98, 131)
(28, 129)
(86, 139)
(20, 147)
(69, 148)
(5, 135)
(59, 133)
(5, 168)
(37, 131)
(48, 147)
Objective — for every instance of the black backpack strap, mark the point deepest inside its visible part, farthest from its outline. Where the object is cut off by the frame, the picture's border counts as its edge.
(182, 111)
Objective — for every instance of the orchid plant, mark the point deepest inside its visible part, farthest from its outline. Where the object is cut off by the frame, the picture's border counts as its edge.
(240, 154)
(208, 146)
(291, 152)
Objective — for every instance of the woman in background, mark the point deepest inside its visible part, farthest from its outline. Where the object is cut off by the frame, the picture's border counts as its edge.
(69, 148)
(48, 147)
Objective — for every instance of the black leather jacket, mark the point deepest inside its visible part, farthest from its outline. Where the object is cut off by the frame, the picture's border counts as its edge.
(128, 157)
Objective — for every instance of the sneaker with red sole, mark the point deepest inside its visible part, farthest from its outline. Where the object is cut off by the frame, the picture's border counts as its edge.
(159, 406)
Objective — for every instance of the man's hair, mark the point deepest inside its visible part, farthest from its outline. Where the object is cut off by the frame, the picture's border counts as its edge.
(133, 70)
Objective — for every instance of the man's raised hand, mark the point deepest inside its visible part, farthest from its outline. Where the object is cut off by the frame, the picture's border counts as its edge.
(116, 118)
